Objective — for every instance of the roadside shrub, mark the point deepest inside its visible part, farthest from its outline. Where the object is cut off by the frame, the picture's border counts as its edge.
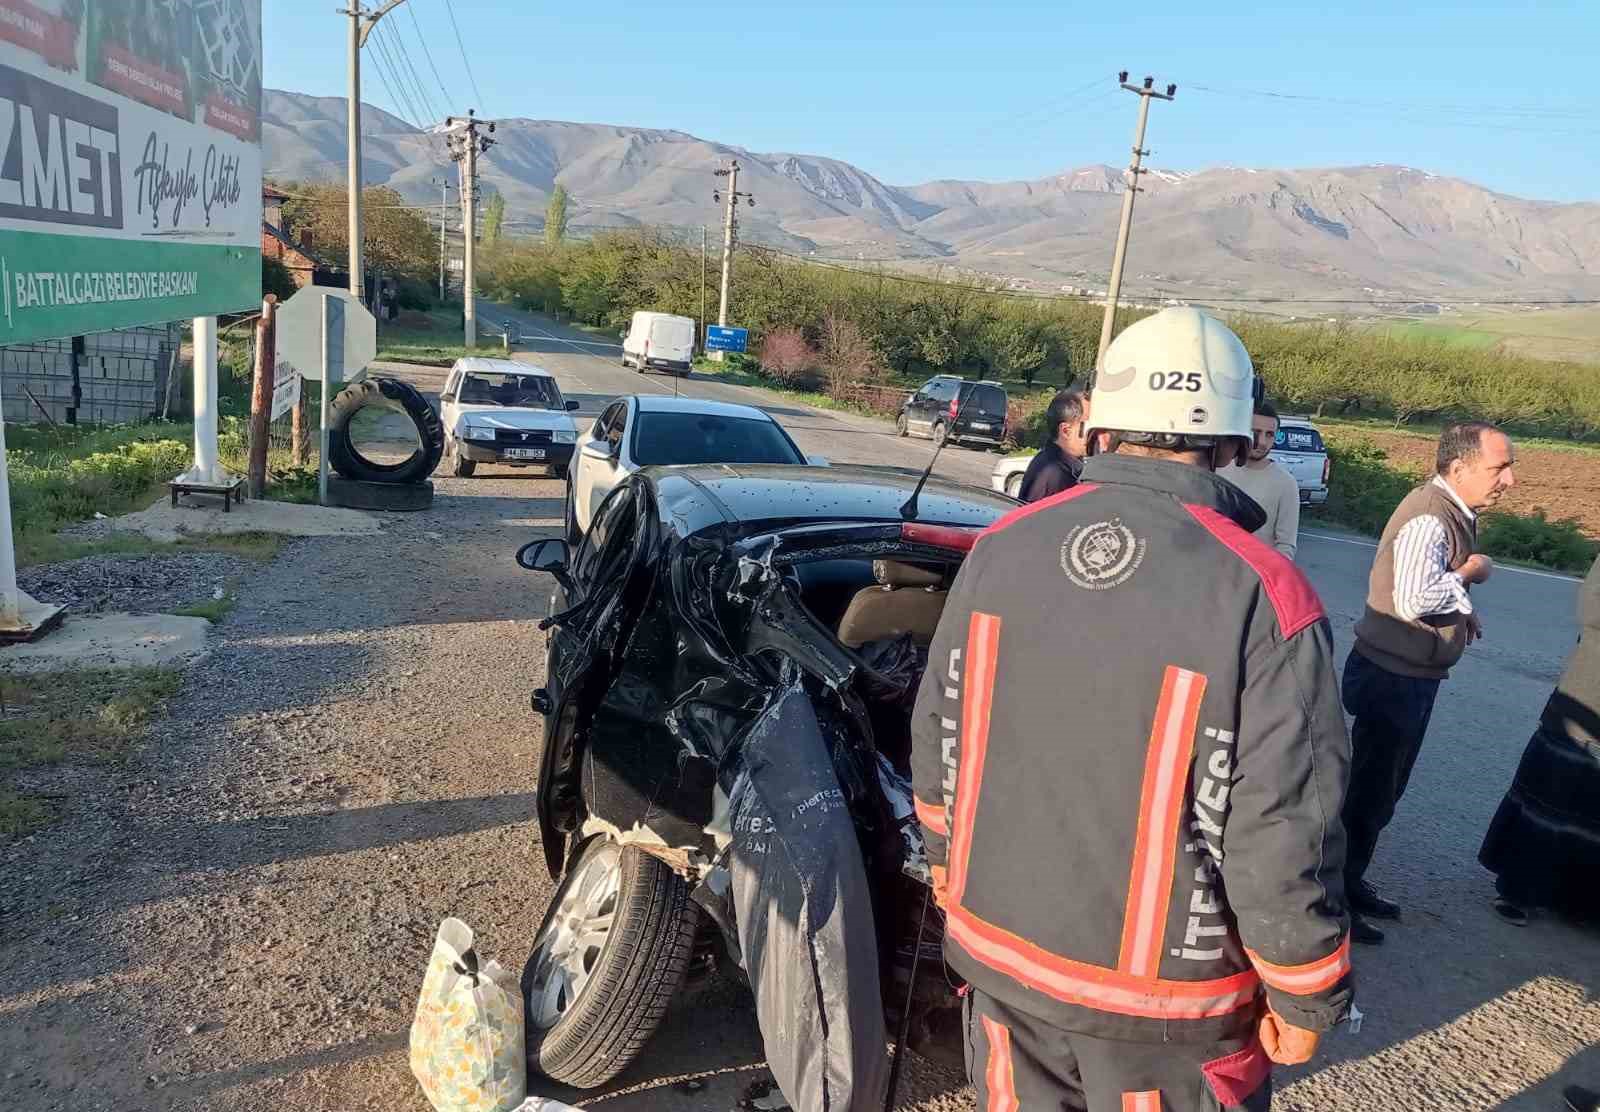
(50, 489)
(1538, 540)
(787, 358)
(847, 357)
(1364, 487)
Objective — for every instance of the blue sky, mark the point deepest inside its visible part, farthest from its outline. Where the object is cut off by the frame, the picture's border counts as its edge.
(912, 92)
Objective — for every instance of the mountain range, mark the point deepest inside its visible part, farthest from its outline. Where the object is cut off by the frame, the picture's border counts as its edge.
(1378, 232)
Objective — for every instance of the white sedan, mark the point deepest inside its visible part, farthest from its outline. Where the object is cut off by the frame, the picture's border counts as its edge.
(1007, 476)
(502, 411)
(642, 430)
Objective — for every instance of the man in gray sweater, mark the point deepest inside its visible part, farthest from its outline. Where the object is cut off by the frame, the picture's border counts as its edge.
(1419, 619)
(1272, 488)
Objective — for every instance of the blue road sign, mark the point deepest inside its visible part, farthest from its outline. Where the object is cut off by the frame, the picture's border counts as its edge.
(722, 338)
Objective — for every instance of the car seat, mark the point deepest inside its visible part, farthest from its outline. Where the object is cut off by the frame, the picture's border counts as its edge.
(908, 599)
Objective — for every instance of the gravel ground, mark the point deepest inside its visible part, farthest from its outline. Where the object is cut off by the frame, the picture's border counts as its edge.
(157, 584)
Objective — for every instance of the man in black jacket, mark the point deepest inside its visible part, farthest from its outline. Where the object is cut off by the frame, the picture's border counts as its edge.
(1057, 465)
(1140, 856)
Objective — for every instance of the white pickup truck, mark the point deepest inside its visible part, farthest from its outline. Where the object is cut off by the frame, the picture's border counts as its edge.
(1298, 450)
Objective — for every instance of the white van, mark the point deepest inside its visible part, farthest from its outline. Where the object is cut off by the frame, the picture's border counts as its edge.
(659, 342)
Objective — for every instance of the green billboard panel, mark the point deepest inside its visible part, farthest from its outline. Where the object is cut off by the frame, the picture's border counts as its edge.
(130, 163)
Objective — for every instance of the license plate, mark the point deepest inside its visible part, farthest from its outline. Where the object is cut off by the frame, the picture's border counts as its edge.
(979, 426)
(524, 453)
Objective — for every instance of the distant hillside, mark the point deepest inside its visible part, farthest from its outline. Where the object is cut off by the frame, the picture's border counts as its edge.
(1365, 231)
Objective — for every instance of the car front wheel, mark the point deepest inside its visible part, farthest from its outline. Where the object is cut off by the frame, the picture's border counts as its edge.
(1014, 485)
(610, 955)
(460, 467)
(901, 426)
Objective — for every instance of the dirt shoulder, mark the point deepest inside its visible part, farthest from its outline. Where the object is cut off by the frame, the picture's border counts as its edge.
(236, 916)
(1561, 482)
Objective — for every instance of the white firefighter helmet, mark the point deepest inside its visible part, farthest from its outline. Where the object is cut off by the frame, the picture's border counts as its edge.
(1178, 373)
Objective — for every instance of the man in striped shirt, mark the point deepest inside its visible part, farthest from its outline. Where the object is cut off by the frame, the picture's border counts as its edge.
(1419, 619)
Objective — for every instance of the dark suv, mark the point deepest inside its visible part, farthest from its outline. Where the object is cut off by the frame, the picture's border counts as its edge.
(952, 408)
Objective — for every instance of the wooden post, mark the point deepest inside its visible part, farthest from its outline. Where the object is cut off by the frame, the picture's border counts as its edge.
(261, 396)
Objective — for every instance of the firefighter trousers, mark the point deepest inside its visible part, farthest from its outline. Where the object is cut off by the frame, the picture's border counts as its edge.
(1018, 1062)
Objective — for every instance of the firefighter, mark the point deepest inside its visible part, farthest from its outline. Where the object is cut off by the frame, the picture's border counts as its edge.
(1139, 856)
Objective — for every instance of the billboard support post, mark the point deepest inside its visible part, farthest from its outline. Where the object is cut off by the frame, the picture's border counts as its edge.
(21, 618)
(206, 469)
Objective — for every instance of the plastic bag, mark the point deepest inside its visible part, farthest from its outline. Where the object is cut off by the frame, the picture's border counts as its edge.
(467, 1037)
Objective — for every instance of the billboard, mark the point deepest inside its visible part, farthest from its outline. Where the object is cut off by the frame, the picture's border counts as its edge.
(130, 163)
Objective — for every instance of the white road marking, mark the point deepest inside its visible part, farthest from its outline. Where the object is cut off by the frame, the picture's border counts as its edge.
(1497, 567)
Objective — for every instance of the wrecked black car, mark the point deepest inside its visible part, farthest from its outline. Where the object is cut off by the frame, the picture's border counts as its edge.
(733, 657)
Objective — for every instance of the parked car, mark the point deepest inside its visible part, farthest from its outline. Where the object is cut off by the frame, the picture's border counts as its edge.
(645, 430)
(502, 411)
(659, 342)
(950, 407)
(721, 637)
(1007, 474)
(1299, 450)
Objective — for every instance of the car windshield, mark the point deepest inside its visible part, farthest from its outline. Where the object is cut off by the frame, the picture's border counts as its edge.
(668, 438)
(523, 391)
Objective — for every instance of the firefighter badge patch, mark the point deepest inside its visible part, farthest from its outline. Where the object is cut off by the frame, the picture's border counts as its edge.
(1101, 556)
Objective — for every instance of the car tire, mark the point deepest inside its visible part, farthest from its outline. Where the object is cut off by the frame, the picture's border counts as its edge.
(1014, 485)
(460, 467)
(901, 426)
(342, 455)
(629, 979)
(941, 432)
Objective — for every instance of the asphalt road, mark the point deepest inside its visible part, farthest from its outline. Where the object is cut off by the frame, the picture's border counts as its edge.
(1462, 1011)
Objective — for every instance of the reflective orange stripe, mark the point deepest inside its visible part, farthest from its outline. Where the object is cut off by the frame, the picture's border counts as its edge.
(1302, 980)
(999, 1077)
(983, 645)
(1094, 986)
(931, 815)
(1155, 849)
(1142, 1102)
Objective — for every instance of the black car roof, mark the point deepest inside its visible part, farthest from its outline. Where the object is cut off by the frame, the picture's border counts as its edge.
(694, 498)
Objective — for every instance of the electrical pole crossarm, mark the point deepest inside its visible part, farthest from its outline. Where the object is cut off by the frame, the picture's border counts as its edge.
(369, 20)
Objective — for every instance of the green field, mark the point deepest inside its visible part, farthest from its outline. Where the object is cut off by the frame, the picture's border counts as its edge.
(1570, 335)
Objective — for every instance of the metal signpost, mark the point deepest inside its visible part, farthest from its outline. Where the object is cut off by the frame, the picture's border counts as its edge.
(723, 338)
(329, 337)
(130, 188)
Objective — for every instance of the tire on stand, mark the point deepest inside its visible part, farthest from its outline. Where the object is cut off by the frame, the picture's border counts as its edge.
(342, 455)
(612, 952)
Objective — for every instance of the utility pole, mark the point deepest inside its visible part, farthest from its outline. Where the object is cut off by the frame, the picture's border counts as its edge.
(730, 234)
(444, 222)
(361, 24)
(466, 144)
(1135, 167)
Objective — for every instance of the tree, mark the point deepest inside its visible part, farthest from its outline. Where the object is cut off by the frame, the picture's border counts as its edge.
(399, 241)
(555, 216)
(494, 218)
(276, 278)
(1014, 343)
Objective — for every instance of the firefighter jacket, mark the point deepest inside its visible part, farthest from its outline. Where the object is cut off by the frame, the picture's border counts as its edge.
(1129, 762)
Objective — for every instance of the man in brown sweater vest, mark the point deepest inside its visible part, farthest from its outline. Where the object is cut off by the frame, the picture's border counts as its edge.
(1419, 619)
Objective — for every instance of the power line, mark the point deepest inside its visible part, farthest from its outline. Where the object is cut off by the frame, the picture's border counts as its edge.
(451, 8)
(1347, 102)
(428, 54)
(402, 100)
(423, 97)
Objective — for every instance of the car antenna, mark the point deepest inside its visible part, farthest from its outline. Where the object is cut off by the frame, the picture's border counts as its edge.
(909, 510)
